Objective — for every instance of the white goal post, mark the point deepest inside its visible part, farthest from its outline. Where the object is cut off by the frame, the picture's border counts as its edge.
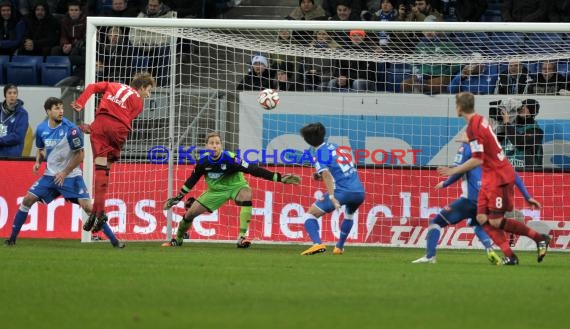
(403, 105)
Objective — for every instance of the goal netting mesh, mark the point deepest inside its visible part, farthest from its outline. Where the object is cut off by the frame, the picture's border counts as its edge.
(386, 91)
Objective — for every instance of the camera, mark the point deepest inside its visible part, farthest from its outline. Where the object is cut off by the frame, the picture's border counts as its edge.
(510, 105)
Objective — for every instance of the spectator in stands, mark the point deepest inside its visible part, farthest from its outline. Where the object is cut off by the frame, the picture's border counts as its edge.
(115, 56)
(431, 78)
(258, 77)
(13, 123)
(524, 138)
(421, 10)
(12, 29)
(284, 62)
(72, 38)
(548, 81)
(286, 78)
(318, 70)
(525, 10)
(470, 10)
(559, 11)
(154, 46)
(43, 31)
(308, 10)
(119, 8)
(194, 9)
(331, 7)
(355, 75)
(387, 13)
(476, 78)
(515, 80)
(343, 13)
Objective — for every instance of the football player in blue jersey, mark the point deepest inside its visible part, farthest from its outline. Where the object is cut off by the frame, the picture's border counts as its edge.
(343, 188)
(466, 208)
(60, 143)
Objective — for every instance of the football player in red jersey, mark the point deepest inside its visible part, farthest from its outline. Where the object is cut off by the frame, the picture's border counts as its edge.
(497, 184)
(119, 106)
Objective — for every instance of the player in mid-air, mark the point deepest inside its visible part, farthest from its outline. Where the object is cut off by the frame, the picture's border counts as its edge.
(466, 207)
(343, 188)
(60, 143)
(498, 179)
(118, 107)
(223, 173)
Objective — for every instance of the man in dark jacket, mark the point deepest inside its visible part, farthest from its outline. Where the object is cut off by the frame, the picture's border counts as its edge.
(12, 29)
(42, 31)
(13, 123)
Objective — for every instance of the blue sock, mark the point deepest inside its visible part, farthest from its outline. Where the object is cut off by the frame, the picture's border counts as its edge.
(109, 233)
(483, 237)
(345, 228)
(432, 240)
(312, 227)
(19, 220)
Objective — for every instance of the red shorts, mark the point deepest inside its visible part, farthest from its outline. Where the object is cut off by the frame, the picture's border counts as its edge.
(107, 137)
(495, 201)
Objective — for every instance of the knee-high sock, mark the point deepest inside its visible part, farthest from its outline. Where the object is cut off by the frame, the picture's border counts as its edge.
(345, 228)
(109, 233)
(516, 227)
(244, 219)
(183, 226)
(498, 236)
(483, 237)
(312, 228)
(101, 185)
(19, 220)
(434, 232)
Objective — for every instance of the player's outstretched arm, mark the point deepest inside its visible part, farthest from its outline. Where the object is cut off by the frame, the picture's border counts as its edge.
(188, 185)
(529, 199)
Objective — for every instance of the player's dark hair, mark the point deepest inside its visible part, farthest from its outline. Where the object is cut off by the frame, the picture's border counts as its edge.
(51, 101)
(8, 87)
(314, 133)
(466, 102)
(210, 135)
(142, 80)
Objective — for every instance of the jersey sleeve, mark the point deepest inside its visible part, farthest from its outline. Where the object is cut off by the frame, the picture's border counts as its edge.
(197, 173)
(252, 169)
(75, 139)
(39, 140)
(91, 89)
(476, 139)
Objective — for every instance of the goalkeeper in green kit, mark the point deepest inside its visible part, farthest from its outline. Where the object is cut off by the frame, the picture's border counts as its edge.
(224, 177)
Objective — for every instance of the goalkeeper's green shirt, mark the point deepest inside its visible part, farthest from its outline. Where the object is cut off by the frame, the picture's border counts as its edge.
(225, 172)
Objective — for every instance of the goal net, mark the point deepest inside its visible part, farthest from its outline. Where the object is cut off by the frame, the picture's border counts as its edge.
(384, 91)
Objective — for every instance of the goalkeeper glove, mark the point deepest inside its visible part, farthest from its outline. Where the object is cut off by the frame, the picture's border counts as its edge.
(173, 201)
(290, 179)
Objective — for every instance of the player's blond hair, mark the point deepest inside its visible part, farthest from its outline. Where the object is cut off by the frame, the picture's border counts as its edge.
(142, 80)
(466, 102)
(211, 135)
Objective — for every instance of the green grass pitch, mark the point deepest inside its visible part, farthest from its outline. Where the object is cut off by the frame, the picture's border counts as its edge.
(66, 284)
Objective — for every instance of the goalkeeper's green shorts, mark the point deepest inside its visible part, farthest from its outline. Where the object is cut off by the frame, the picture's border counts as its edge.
(214, 199)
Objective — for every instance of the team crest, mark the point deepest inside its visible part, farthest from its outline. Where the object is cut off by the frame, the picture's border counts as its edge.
(223, 166)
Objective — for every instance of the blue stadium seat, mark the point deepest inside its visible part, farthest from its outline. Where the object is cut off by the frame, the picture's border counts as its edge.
(37, 60)
(506, 43)
(22, 73)
(58, 59)
(53, 73)
(564, 68)
(3, 60)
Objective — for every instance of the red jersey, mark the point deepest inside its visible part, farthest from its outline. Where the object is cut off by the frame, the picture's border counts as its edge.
(497, 170)
(119, 101)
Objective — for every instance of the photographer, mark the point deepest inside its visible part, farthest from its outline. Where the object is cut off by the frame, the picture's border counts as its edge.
(523, 138)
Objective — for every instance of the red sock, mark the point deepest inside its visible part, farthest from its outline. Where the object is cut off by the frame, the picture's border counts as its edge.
(499, 238)
(516, 227)
(100, 189)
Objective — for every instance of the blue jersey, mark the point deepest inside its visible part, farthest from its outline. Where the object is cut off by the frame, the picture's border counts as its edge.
(471, 180)
(345, 177)
(59, 144)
